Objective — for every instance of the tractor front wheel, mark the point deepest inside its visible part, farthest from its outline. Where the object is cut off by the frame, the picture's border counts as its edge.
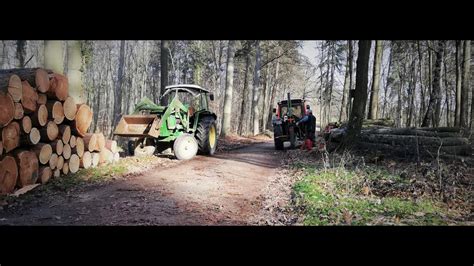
(206, 135)
(185, 147)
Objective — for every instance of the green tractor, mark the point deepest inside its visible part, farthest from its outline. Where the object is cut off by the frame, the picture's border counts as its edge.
(184, 124)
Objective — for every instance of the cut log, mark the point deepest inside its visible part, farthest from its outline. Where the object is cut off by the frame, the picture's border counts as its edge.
(27, 167)
(31, 138)
(11, 83)
(83, 120)
(70, 108)
(18, 113)
(74, 163)
(111, 145)
(57, 146)
(79, 149)
(378, 122)
(410, 132)
(59, 87)
(86, 160)
(95, 159)
(441, 129)
(50, 132)
(60, 163)
(65, 168)
(57, 173)
(29, 98)
(26, 125)
(412, 140)
(72, 142)
(105, 156)
(8, 175)
(43, 151)
(11, 136)
(37, 77)
(55, 111)
(53, 161)
(67, 151)
(45, 173)
(40, 117)
(116, 157)
(100, 141)
(7, 109)
(65, 133)
(42, 98)
(90, 142)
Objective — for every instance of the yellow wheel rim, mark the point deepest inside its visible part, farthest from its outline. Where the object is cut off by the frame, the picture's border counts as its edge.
(212, 136)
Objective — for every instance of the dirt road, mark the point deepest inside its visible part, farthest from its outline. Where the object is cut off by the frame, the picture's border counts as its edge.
(225, 189)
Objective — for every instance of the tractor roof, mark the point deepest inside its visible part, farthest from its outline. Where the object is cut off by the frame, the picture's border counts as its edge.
(187, 86)
(292, 100)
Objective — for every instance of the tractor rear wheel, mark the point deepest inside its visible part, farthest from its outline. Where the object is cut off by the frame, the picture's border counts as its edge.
(292, 137)
(206, 135)
(185, 147)
(277, 132)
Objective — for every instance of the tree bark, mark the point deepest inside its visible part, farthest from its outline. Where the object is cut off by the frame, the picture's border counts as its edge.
(55, 111)
(226, 119)
(435, 92)
(21, 52)
(360, 93)
(464, 119)
(345, 93)
(53, 56)
(374, 95)
(29, 97)
(45, 174)
(164, 68)
(118, 85)
(244, 94)
(59, 87)
(457, 115)
(256, 91)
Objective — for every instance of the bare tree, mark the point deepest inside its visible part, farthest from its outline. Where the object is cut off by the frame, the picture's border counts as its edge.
(435, 92)
(256, 91)
(164, 66)
(74, 71)
(21, 52)
(226, 119)
(464, 122)
(457, 115)
(118, 84)
(374, 95)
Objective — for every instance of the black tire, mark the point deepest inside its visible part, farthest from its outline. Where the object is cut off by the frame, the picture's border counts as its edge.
(277, 132)
(131, 147)
(292, 137)
(206, 129)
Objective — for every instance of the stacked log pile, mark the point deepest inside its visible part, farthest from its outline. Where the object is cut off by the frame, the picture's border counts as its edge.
(43, 132)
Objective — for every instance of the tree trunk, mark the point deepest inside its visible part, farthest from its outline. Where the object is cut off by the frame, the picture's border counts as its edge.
(7, 109)
(18, 113)
(64, 133)
(411, 92)
(256, 91)
(226, 119)
(74, 71)
(446, 89)
(118, 85)
(435, 92)
(59, 87)
(21, 52)
(11, 83)
(244, 94)
(74, 163)
(50, 132)
(70, 108)
(31, 138)
(55, 111)
(57, 146)
(164, 68)
(36, 77)
(10, 136)
(275, 89)
(422, 90)
(360, 93)
(374, 95)
(464, 118)
(83, 120)
(29, 97)
(345, 92)
(86, 160)
(43, 151)
(351, 77)
(27, 167)
(457, 115)
(53, 56)
(45, 173)
(8, 174)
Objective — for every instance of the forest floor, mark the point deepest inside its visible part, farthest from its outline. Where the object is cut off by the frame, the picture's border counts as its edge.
(247, 182)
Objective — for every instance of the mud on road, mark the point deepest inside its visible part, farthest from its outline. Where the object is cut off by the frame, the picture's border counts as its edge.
(225, 189)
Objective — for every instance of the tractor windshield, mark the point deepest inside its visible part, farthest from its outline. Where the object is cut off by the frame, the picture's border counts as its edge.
(295, 111)
(189, 100)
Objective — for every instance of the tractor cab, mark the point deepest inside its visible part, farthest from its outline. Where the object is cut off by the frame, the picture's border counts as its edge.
(288, 112)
